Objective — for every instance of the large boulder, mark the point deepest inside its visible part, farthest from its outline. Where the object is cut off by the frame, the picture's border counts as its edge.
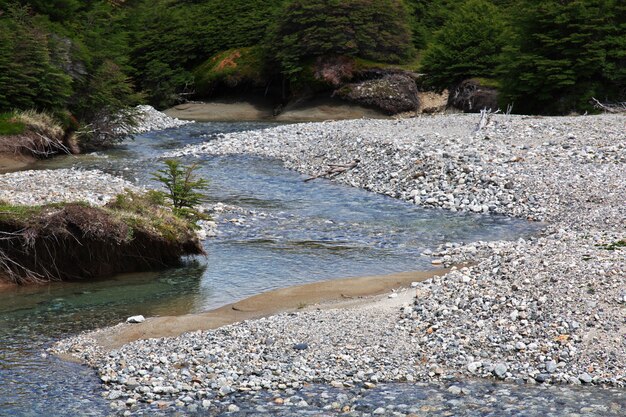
(392, 93)
(473, 95)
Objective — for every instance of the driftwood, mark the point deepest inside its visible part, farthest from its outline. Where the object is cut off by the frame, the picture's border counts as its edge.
(334, 170)
(485, 118)
(608, 107)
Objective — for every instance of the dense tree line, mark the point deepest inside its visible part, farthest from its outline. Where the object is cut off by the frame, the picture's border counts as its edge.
(86, 56)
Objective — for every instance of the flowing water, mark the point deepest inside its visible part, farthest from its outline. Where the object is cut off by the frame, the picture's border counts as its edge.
(289, 232)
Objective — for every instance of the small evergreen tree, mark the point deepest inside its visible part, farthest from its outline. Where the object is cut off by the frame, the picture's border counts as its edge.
(468, 45)
(184, 188)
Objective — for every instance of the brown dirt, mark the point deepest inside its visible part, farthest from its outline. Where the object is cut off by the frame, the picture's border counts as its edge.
(431, 102)
(334, 293)
(229, 61)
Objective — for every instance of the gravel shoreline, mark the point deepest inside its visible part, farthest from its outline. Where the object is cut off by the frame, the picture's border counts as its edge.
(36, 187)
(549, 309)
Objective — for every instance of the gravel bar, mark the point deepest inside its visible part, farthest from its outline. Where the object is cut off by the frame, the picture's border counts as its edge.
(61, 185)
(547, 310)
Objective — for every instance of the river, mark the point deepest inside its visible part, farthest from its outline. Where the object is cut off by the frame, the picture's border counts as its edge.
(287, 233)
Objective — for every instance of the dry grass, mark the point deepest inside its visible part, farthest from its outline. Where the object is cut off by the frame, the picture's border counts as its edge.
(41, 122)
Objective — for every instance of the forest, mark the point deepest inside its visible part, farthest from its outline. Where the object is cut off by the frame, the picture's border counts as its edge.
(84, 60)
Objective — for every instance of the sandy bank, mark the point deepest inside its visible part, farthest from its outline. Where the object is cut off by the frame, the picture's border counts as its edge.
(326, 294)
(10, 162)
(255, 110)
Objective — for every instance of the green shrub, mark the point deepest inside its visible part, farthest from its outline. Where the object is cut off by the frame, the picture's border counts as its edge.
(565, 52)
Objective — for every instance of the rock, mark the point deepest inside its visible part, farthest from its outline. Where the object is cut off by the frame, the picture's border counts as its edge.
(455, 390)
(471, 97)
(393, 93)
(334, 70)
(301, 346)
(225, 390)
(232, 408)
(585, 378)
(542, 377)
(474, 366)
(551, 366)
(135, 319)
(500, 370)
(114, 395)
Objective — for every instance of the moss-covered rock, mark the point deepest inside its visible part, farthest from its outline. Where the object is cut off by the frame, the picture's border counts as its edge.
(75, 241)
(231, 69)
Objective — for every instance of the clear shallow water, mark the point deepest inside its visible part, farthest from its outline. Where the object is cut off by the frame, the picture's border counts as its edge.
(299, 232)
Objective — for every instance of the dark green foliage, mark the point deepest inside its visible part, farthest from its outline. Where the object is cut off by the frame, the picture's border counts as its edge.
(564, 53)
(57, 10)
(428, 16)
(89, 58)
(28, 78)
(614, 70)
(468, 45)
(184, 188)
(173, 37)
(376, 30)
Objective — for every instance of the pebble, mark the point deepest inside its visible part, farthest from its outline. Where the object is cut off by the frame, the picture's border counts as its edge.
(500, 370)
(135, 319)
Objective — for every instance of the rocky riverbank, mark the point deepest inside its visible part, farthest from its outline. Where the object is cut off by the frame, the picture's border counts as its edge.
(549, 309)
(45, 213)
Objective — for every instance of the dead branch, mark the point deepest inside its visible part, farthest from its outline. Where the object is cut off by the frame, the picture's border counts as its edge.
(335, 169)
(608, 107)
(485, 118)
